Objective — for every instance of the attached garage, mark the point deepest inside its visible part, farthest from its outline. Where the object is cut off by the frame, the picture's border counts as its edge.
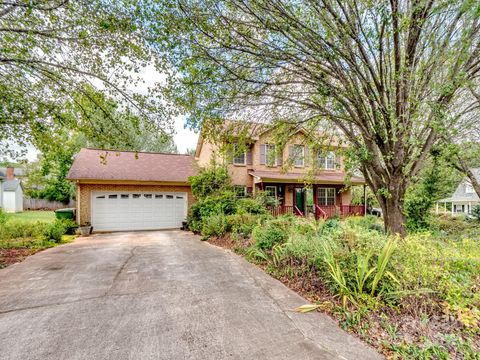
(126, 191)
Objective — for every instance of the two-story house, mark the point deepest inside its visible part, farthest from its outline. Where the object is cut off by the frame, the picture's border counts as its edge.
(303, 179)
(129, 190)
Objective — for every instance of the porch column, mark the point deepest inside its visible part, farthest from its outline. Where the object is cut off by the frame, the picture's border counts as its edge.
(469, 207)
(452, 208)
(436, 208)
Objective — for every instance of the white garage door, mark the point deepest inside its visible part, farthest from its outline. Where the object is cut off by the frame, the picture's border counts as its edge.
(119, 211)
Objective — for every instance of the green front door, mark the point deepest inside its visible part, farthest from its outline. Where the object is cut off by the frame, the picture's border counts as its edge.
(300, 199)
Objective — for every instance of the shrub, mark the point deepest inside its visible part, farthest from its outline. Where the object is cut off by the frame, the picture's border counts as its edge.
(210, 181)
(69, 225)
(244, 223)
(3, 217)
(476, 212)
(265, 236)
(215, 225)
(251, 206)
(54, 231)
(224, 204)
(17, 229)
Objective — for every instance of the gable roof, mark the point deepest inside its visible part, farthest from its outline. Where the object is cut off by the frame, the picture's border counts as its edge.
(461, 194)
(11, 185)
(98, 164)
(252, 130)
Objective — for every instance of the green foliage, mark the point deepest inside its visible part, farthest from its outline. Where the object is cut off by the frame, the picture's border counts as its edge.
(476, 212)
(223, 204)
(54, 231)
(251, 206)
(215, 225)
(421, 196)
(269, 234)
(17, 229)
(242, 224)
(3, 216)
(209, 181)
(51, 50)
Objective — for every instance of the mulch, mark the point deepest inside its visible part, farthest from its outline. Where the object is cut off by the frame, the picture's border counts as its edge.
(12, 256)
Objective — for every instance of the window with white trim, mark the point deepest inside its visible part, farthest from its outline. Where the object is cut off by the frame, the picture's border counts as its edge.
(270, 155)
(299, 155)
(239, 158)
(326, 160)
(240, 191)
(326, 196)
(271, 191)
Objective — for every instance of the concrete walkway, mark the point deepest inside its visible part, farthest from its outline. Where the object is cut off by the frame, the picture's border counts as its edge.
(157, 295)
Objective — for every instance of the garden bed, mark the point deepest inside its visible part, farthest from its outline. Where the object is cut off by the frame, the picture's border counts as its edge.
(23, 234)
(418, 322)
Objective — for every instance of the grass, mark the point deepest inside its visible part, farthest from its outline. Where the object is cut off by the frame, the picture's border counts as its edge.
(24, 234)
(32, 216)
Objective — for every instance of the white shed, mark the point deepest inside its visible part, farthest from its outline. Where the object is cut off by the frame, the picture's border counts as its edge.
(12, 196)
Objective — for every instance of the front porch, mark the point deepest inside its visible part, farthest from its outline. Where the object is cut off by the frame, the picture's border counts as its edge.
(325, 196)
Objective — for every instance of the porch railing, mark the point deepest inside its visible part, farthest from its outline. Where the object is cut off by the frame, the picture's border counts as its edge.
(321, 211)
(285, 210)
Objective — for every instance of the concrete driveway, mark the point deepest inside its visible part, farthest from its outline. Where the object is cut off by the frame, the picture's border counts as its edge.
(157, 295)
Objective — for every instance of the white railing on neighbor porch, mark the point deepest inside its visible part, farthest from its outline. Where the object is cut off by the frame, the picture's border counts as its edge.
(43, 204)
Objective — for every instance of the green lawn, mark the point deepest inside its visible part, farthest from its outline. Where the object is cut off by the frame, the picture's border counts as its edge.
(33, 216)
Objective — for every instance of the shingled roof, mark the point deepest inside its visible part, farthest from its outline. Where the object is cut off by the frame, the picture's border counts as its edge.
(97, 164)
(325, 177)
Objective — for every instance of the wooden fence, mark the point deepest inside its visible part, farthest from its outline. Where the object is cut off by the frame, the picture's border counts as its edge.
(43, 204)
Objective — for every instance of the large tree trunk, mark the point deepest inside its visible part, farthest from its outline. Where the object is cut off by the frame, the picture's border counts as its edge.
(393, 216)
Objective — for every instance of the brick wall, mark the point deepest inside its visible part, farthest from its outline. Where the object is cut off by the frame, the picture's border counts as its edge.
(84, 192)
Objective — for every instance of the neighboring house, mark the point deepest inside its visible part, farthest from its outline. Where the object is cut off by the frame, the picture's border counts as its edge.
(283, 173)
(463, 199)
(124, 190)
(11, 190)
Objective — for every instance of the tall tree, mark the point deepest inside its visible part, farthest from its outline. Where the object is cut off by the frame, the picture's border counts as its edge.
(387, 72)
(51, 49)
(47, 176)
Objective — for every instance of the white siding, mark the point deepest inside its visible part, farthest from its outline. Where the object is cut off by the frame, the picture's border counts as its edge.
(13, 200)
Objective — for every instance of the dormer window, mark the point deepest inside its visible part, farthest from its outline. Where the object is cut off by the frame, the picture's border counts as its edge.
(469, 189)
(326, 160)
(239, 158)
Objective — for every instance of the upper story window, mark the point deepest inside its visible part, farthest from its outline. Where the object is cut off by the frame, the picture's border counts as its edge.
(298, 155)
(469, 189)
(268, 155)
(326, 160)
(239, 157)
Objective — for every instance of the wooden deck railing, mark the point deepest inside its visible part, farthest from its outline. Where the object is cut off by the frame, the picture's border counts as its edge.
(321, 211)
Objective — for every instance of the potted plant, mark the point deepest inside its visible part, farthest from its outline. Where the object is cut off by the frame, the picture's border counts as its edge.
(85, 229)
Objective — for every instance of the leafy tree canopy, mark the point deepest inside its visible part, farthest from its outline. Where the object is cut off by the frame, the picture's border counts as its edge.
(389, 74)
(52, 52)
